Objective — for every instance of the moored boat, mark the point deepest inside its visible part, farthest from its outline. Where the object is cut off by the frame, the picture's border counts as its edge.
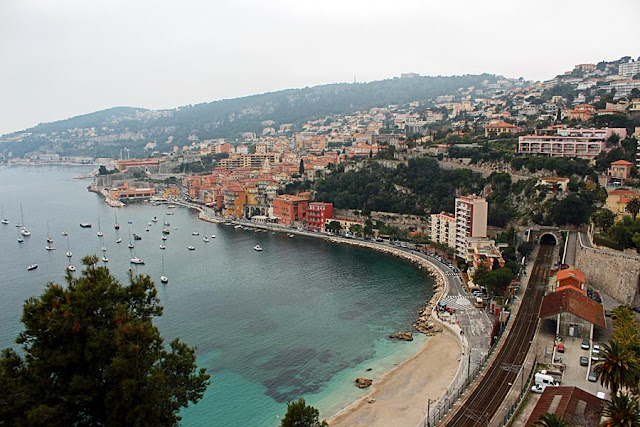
(257, 248)
(136, 261)
(32, 267)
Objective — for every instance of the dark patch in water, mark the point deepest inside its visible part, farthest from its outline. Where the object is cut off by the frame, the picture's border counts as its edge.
(261, 327)
(287, 358)
(324, 356)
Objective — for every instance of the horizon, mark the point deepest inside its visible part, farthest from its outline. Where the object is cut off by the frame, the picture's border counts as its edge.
(74, 58)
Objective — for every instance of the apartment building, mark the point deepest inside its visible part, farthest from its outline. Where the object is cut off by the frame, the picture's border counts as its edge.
(582, 143)
(442, 229)
(317, 215)
(471, 221)
(290, 209)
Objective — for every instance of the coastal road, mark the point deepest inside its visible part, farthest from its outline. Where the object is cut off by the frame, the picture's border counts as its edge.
(570, 253)
(483, 402)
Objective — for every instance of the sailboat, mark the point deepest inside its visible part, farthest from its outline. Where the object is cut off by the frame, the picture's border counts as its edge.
(116, 225)
(164, 279)
(24, 230)
(49, 239)
(5, 221)
(191, 247)
(100, 234)
(130, 245)
(69, 254)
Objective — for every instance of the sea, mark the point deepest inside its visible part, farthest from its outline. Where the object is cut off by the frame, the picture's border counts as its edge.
(302, 318)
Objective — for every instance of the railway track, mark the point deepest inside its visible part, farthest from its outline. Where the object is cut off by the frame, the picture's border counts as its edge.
(485, 399)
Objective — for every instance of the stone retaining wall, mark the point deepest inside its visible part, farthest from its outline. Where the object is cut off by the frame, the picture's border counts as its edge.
(615, 273)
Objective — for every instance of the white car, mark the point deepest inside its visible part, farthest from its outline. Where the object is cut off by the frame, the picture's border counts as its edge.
(538, 388)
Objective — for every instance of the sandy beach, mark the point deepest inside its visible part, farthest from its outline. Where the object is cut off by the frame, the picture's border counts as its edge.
(401, 394)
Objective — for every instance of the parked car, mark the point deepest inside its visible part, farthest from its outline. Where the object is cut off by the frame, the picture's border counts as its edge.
(450, 310)
(593, 377)
(595, 357)
(560, 348)
(585, 344)
(607, 313)
(597, 348)
(538, 388)
(584, 361)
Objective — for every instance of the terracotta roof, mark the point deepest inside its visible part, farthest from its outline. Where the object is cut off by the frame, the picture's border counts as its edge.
(573, 301)
(622, 162)
(501, 125)
(571, 272)
(571, 403)
(623, 192)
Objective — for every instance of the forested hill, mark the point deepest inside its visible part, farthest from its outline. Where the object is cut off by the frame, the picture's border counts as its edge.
(105, 132)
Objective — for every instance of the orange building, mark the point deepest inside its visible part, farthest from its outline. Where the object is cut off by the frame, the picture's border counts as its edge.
(619, 170)
(572, 278)
(139, 163)
(235, 198)
(290, 209)
(501, 127)
(317, 214)
(582, 112)
(126, 192)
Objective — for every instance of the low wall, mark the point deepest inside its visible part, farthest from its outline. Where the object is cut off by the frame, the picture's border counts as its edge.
(615, 273)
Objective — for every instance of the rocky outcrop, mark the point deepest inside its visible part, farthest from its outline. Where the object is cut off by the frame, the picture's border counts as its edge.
(405, 336)
(363, 382)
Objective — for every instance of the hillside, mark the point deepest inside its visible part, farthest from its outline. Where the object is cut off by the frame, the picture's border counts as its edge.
(104, 133)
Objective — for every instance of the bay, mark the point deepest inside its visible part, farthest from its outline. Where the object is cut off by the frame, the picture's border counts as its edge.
(304, 317)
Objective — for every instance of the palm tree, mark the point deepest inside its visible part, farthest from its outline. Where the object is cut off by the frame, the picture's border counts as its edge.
(622, 411)
(551, 420)
(633, 207)
(618, 367)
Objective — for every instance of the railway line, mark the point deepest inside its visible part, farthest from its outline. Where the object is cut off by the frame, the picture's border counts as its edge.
(483, 402)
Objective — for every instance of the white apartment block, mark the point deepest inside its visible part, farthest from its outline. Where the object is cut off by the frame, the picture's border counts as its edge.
(443, 229)
(624, 87)
(471, 221)
(582, 143)
(629, 69)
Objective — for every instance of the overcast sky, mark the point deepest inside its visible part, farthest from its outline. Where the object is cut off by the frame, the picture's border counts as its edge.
(61, 58)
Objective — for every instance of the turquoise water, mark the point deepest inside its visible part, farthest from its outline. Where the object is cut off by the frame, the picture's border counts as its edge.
(304, 317)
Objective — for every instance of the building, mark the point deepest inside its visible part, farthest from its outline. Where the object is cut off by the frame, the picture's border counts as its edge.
(234, 201)
(484, 251)
(629, 69)
(495, 129)
(573, 404)
(573, 278)
(143, 164)
(318, 214)
(582, 112)
(624, 87)
(617, 201)
(582, 143)
(573, 313)
(125, 192)
(619, 171)
(443, 229)
(555, 183)
(290, 209)
(471, 221)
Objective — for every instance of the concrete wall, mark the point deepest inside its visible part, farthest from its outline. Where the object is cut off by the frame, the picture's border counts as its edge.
(615, 273)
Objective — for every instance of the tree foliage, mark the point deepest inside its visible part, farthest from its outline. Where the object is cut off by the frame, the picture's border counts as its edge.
(299, 414)
(622, 411)
(92, 356)
(618, 367)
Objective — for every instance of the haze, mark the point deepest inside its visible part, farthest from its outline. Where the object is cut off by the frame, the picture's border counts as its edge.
(68, 57)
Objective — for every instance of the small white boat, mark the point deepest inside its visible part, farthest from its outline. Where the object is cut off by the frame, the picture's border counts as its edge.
(163, 247)
(257, 248)
(154, 219)
(169, 213)
(50, 248)
(18, 225)
(49, 240)
(69, 254)
(167, 223)
(205, 239)
(32, 267)
(238, 226)
(164, 237)
(164, 279)
(71, 268)
(25, 232)
(195, 233)
(146, 229)
(191, 248)
(20, 239)
(130, 245)
(105, 259)
(136, 261)
(290, 235)
(171, 207)
(213, 236)
(100, 234)
(118, 240)
(5, 221)
(64, 233)
(104, 249)
(149, 224)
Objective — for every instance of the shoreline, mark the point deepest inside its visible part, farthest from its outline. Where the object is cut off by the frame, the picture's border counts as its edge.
(403, 390)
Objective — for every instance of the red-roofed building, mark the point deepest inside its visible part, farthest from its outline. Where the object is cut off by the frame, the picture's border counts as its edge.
(290, 209)
(573, 404)
(573, 312)
(571, 277)
(582, 112)
(619, 171)
(500, 127)
(617, 201)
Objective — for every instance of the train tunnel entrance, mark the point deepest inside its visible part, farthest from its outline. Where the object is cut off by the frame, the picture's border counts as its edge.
(548, 239)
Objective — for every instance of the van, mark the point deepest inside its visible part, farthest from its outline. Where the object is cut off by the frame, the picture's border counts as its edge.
(479, 303)
(546, 380)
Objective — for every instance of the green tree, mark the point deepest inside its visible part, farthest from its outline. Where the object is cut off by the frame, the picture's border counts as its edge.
(603, 219)
(299, 414)
(301, 168)
(622, 410)
(334, 226)
(355, 229)
(525, 248)
(92, 356)
(618, 367)
(633, 207)
(551, 420)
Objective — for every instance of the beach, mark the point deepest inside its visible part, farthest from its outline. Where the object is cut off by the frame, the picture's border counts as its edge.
(400, 396)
